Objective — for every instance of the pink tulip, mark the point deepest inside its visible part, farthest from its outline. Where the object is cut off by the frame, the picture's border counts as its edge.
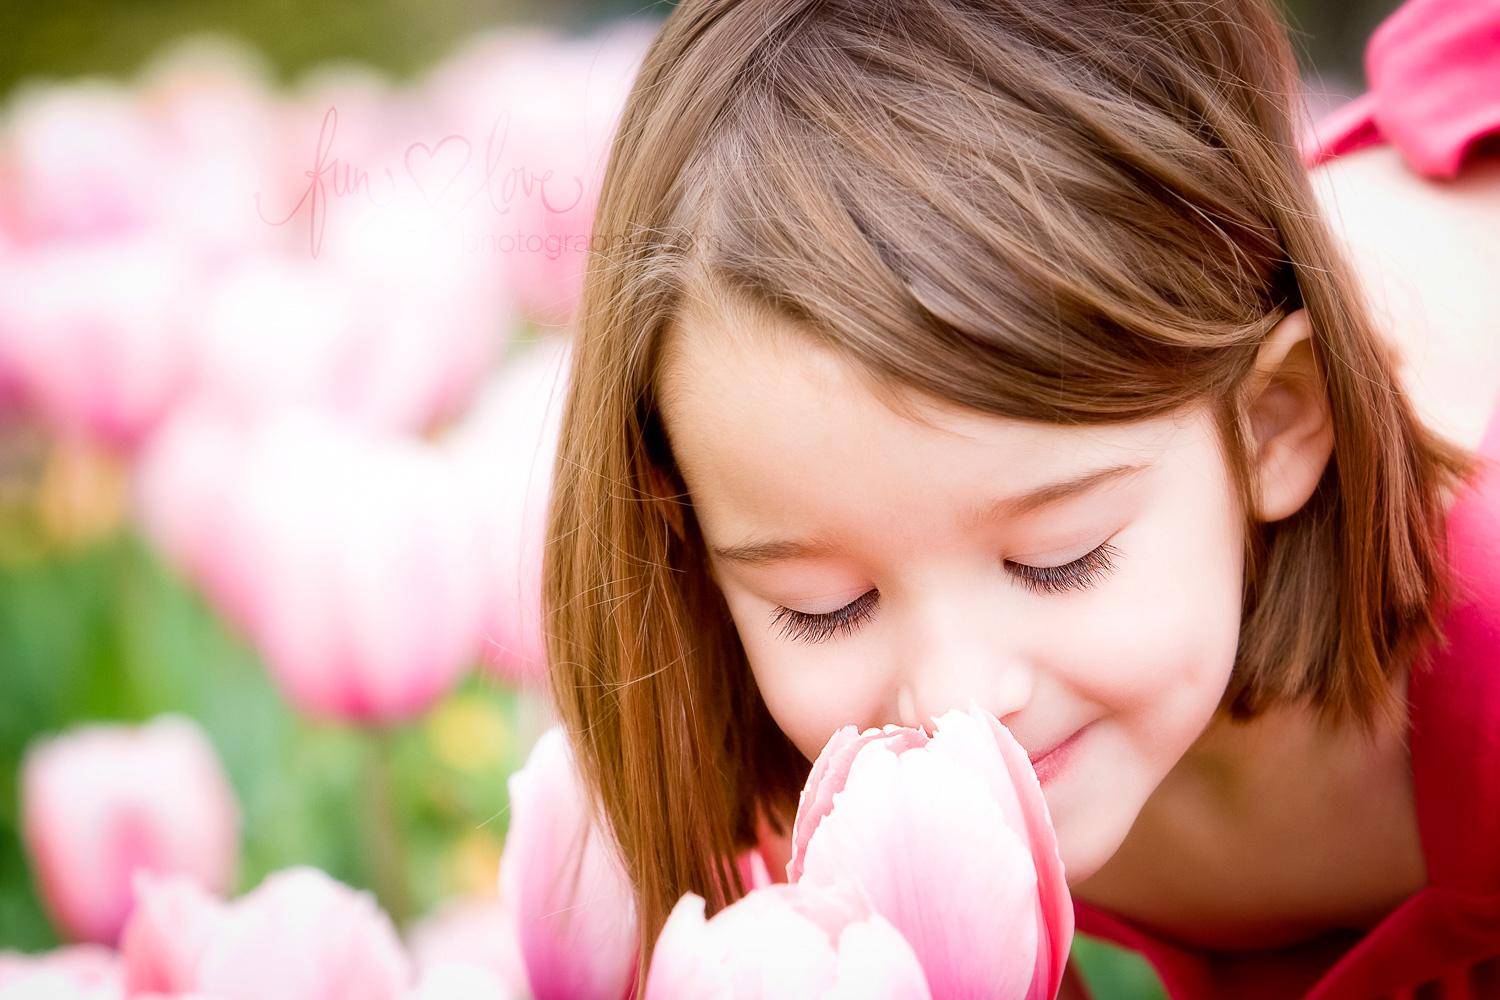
(478, 933)
(385, 329)
(349, 557)
(77, 972)
(360, 552)
(184, 483)
(545, 110)
(433, 313)
(561, 878)
(784, 941)
(98, 332)
(103, 802)
(461, 981)
(949, 838)
(213, 115)
(85, 161)
(174, 925)
(392, 327)
(298, 936)
(275, 330)
(506, 446)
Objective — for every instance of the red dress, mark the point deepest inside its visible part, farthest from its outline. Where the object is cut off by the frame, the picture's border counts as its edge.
(1434, 69)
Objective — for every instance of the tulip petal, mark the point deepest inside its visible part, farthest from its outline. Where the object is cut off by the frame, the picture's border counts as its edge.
(978, 740)
(877, 963)
(574, 906)
(300, 935)
(74, 972)
(829, 772)
(172, 927)
(925, 840)
(686, 962)
(471, 931)
(799, 942)
(103, 801)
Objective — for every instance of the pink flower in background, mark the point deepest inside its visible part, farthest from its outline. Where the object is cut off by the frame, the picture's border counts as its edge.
(142, 265)
(433, 315)
(784, 942)
(350, 557)
(184, 482)
(358, 554)
(461, 981)
(949, 838)
(76, 972)
(300, 935)
(100, 803)
(274, 330)
(479, 933)
(556, 103)
(218, 136)
(99, 333)
(85, 162)
(390, 327)
(572, 902)
(506, 447)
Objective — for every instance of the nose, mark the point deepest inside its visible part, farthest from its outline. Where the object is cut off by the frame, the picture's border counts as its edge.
(956, 654)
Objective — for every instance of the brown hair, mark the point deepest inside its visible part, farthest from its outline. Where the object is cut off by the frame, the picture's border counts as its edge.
(1047, 210)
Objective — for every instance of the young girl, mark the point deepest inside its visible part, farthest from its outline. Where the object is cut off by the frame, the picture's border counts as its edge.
(1001, 350)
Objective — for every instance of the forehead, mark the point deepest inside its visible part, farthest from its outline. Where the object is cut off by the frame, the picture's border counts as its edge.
(765, 419)
(728, 348)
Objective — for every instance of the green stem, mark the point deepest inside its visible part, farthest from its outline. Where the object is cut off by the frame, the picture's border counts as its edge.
(385, 847)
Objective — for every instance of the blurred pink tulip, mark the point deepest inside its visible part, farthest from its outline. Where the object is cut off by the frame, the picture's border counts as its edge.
(298, 936)
(384, 329)
(506, 447)
(102, 802)
(214, 119)
(949, 838)
(350, 556)
(559, 874)
(393, 325)
(460, 981)
(173, 926)
(77, 972)
(85, 162)
(184, 483)
(98, 332)
(544, 110)
(433, 314)
(274, 330)
(784, 942)
(480, 933)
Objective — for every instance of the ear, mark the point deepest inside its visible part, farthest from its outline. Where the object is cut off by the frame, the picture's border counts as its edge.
(1290, 421)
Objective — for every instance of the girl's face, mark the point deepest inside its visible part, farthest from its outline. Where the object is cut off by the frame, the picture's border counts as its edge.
(1082, 584)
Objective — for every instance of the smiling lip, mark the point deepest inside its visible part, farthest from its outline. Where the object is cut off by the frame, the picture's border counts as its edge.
(1050, 764)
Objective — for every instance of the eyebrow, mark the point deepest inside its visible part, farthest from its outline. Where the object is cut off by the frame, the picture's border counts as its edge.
(757, 553)
(1051, 493)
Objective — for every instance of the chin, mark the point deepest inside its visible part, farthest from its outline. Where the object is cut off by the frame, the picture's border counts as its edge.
(1086, 847)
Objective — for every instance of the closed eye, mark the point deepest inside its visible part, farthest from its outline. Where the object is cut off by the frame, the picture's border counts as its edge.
(799, 626)
(1079, 574)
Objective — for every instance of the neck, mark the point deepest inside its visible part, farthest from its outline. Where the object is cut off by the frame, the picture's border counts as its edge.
(1269, 832)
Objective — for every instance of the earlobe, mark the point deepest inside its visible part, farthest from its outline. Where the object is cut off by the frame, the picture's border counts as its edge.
(1290, 420)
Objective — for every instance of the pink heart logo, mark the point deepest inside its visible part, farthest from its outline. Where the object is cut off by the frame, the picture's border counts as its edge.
(438, 166)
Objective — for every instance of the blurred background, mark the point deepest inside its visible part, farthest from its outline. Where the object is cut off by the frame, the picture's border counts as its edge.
(243, 481)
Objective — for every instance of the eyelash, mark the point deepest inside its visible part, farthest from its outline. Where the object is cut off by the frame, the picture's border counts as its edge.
(1080, 574)
(799, 626)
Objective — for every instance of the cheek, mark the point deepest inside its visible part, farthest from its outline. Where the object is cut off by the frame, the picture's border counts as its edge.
(811, 690)
(1157, 649)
